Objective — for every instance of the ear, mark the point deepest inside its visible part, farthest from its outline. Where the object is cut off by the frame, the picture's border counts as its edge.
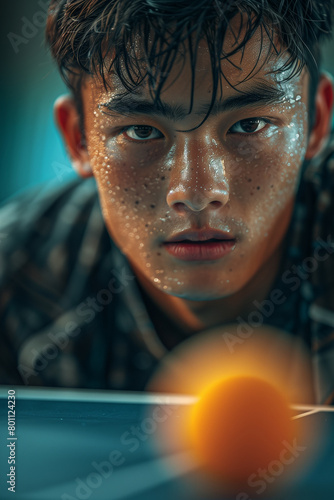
(67, 119)
(323, 112)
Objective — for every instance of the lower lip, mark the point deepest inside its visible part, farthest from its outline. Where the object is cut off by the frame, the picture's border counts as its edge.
(212, 250)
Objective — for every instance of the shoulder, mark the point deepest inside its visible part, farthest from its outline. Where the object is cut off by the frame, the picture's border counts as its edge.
(41, 204)
(53, 255)
(319, 178)
(39, 219)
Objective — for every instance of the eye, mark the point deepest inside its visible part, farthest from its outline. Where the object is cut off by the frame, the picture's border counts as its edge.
(141, 132)
(249, 126)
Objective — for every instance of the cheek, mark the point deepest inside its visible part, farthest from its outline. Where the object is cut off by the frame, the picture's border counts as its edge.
(131, 193)
(266, 177)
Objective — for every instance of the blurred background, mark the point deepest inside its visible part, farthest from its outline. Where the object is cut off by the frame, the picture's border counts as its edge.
(32, 151)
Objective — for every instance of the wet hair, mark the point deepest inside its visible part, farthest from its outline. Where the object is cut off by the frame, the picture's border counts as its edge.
(93, 37)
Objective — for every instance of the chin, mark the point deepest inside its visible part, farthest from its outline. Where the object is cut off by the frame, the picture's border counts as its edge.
(199, 294)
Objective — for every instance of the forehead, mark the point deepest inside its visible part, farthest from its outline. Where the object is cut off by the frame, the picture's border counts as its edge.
(259, 60)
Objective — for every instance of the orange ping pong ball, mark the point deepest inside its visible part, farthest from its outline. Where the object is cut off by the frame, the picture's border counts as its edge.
(238, 425)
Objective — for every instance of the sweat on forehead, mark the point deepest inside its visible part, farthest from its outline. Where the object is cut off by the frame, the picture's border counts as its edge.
(87, 37)
(264, 87)
(237, 62)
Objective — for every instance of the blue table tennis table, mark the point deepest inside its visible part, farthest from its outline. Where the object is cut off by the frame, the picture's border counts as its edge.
(87, 444)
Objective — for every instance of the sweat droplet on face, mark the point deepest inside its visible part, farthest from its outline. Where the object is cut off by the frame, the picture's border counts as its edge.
(137, 209)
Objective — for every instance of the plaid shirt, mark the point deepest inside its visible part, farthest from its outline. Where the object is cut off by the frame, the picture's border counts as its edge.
(73, 314)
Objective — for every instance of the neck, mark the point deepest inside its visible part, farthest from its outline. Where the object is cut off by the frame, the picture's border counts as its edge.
(192, 316)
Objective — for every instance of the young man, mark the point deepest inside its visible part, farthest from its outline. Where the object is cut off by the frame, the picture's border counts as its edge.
(204, 126)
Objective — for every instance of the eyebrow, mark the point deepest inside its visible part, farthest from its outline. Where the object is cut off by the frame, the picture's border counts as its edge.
(261, 94)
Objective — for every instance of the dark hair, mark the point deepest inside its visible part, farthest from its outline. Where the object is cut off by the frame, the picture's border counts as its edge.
(81, 33)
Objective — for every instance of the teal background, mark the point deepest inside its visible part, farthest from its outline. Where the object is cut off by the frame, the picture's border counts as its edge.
(31, 149)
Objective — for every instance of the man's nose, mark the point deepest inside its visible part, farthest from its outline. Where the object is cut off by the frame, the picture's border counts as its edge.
(198, 179)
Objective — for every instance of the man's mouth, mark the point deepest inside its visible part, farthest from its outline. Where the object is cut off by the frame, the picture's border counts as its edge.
(209, 244)
(201, 241)
(201, 235)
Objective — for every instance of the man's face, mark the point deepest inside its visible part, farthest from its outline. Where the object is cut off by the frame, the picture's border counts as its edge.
(237, 173)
